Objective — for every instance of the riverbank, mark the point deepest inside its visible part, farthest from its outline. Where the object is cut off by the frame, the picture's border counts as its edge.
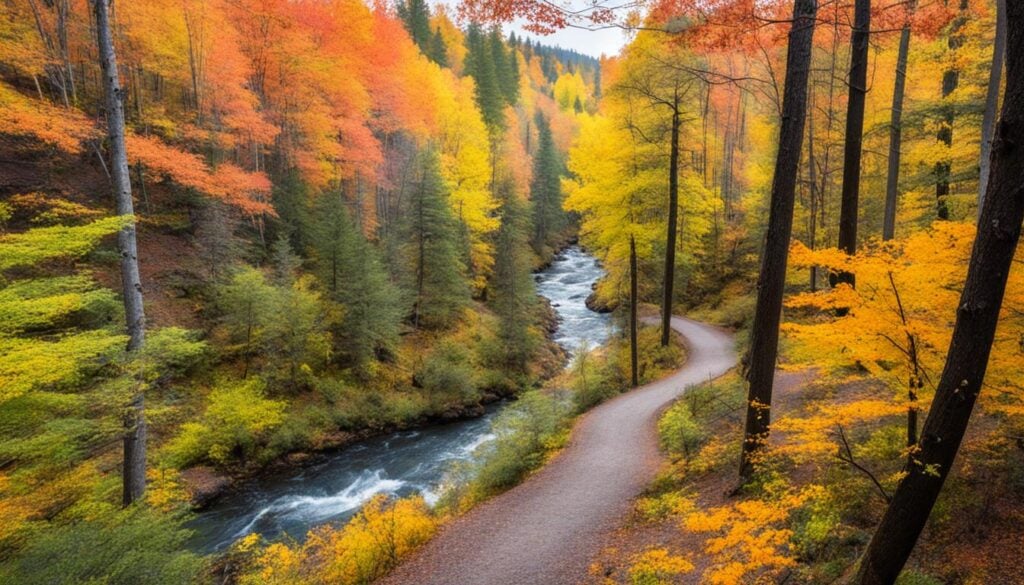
(207, 484)
(566, 324)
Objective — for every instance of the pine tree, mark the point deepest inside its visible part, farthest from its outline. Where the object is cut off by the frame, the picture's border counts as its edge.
(512, 286)
(285, 261)
(415, 15)
(546, 189)
(350, 270)
(480, 65)
(290, 197)
(506, 68)
(434, 268)
(438, 51)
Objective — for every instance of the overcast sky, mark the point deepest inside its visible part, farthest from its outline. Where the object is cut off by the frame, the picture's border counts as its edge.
(594, 43)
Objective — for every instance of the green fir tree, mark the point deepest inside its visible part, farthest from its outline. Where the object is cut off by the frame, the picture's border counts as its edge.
(434, 269)
(352, 274)
(513, 294)
(546, 190)
(480, 65)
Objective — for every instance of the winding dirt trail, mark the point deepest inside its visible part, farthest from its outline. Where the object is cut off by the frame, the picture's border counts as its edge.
(545, 530)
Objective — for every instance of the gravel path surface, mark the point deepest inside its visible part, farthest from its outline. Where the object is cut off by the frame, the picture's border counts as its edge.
(545, 530)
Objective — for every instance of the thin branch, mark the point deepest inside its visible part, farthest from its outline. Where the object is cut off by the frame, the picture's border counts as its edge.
(848, 458)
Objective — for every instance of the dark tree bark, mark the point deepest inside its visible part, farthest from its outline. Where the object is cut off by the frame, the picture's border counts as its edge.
(892, 179)
(134, 472)
(673, 220)
(950, 81)
(853, 142)
(764, 340)
(977, 317)
(634, 361)
(988, 121)
(812, 208)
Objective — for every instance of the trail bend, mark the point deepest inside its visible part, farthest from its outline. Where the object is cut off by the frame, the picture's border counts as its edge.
(545, 530)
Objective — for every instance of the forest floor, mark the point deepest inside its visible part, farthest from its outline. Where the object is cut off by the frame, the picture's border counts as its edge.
(975, 542)
(548, 528)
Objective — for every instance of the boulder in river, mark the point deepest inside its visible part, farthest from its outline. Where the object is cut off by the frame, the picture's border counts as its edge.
(598, 306)
(204, 485)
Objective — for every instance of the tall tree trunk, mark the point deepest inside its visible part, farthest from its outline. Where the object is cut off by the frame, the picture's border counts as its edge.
(892, 178)
(764, 339)
(634, 360)
(812, 215)
(950, 81)
(988, 121)
(134, 473)
(977, 316)
(853, 142)
(670, 243)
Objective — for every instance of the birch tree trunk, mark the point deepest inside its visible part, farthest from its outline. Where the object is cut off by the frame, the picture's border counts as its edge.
(134, 472)
(764, 339)
(976, 319)
(988, 121)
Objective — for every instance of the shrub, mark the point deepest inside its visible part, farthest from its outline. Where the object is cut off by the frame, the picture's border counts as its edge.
(591, 382)
(110, 548)
(172, 352)
(447, 370)
(654, 360)
(678, 432)
(657, 567)
(237, 420)
(525, 432)
(363, 550)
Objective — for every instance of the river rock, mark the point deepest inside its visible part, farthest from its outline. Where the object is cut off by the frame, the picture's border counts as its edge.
(204, 485)
(598, 306)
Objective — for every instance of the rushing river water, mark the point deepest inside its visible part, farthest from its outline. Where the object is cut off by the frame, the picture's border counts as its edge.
(399, 464)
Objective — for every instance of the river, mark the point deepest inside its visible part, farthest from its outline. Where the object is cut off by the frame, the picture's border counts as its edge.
(399, 464)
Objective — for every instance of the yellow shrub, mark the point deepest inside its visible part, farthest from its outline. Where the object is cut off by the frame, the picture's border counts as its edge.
(747, 538)
(363, 550)
(657, 567)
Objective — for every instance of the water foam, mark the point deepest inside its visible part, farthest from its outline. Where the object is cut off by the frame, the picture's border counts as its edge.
(320, 508)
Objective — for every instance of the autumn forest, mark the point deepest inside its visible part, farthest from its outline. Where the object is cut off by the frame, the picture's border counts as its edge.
(511, 292)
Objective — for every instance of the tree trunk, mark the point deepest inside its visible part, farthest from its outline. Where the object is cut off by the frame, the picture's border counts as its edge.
(134, 473)
(670, 243)
(992, 101)
(896, 136)
(950, 81)
(853, 142)
(977, 316)
(634, 361)
(812, 214)
(764, 340)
